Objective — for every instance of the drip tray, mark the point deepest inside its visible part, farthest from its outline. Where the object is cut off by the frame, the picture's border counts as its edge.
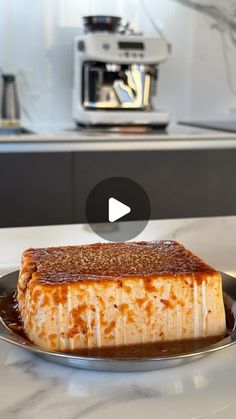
(123, 129)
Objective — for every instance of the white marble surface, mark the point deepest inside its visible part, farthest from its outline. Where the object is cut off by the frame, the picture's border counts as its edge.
(32, 388)
(213, 56)
(197, 81)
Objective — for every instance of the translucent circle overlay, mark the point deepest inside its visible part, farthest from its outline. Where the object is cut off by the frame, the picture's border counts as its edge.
(127, 192)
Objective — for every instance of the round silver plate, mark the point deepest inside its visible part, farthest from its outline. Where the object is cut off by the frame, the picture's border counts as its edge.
(8, 283)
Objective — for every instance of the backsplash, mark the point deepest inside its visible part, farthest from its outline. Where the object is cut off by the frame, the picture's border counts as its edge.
(197, 81)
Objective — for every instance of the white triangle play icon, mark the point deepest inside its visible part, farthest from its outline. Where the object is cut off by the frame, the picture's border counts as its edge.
(117, 210)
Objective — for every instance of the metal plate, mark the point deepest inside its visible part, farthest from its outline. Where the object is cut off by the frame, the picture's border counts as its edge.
(8, 283)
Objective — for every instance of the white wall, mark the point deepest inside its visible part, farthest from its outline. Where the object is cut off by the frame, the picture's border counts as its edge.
(36, 38)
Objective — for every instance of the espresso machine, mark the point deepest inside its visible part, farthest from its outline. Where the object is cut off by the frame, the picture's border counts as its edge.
(116, 74)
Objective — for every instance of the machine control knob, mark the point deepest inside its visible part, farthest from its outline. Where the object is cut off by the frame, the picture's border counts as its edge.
(106, 46)
(81, 45)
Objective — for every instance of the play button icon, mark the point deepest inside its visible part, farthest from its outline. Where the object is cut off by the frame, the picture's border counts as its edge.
(117, 209)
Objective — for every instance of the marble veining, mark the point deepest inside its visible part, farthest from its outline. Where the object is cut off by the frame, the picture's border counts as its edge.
(221, 11)
(39, 389)
(45, 82)
(223, 19)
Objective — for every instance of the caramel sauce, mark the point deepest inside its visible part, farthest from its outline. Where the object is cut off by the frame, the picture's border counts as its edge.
(152, 350)
(111, 261)
(9, 313)
(11, 318)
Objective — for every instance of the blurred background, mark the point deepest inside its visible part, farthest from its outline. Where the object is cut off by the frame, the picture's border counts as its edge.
(152, 100)
(197, 81)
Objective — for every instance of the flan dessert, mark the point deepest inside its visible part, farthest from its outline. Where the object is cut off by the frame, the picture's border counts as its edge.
(111, 294)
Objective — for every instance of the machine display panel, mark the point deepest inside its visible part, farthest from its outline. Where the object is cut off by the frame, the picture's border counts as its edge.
(131, 45)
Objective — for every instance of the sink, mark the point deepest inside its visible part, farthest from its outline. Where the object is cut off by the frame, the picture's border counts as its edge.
(14, 131)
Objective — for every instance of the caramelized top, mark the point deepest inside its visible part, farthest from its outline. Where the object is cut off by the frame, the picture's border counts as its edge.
(113, 261)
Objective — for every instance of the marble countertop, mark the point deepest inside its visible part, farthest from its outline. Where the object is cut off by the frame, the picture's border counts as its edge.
(69, 139)
(33, 388)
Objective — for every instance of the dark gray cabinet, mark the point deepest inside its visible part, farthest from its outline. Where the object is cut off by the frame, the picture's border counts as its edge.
(184, 183)
(35, 189)
(52, 188)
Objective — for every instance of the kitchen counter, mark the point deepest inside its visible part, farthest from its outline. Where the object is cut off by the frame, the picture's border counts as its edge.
(63, 140)
(33, 388)
(74, 162)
